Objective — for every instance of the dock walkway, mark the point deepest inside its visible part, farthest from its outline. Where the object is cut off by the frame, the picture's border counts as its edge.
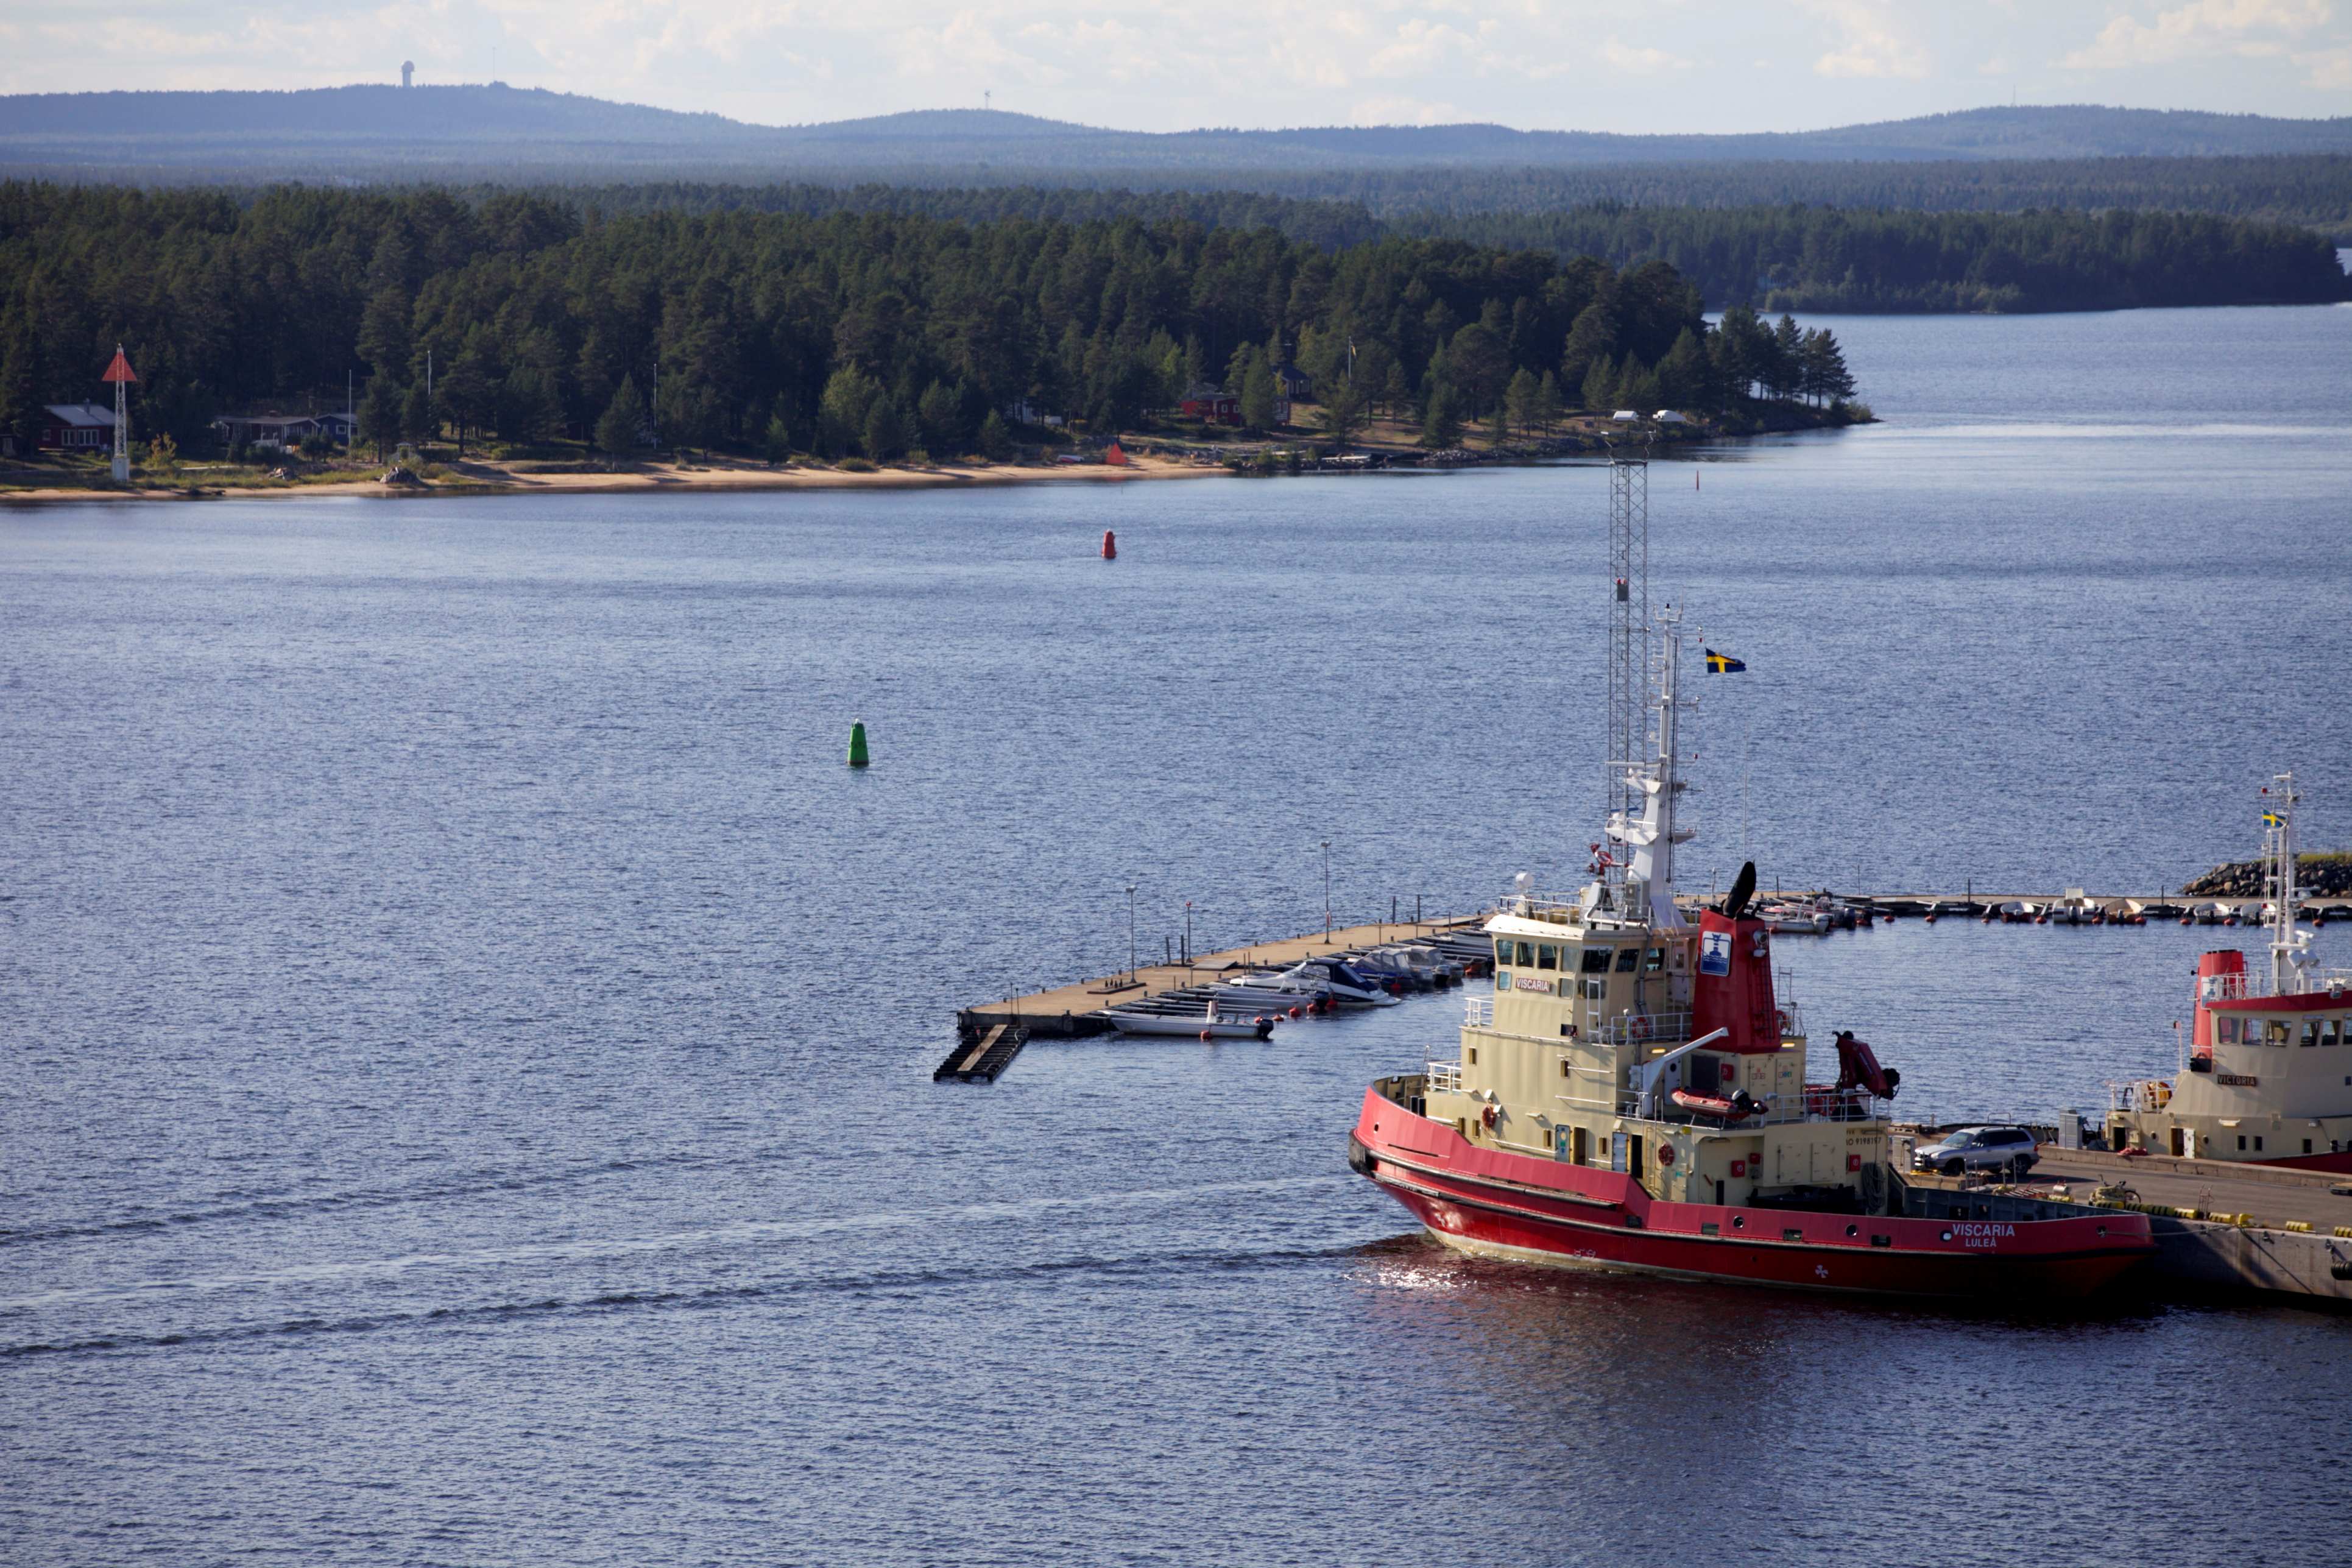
(1070, 1010)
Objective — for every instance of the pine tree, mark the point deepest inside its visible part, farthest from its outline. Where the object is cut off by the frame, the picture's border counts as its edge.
(778, 441)
(1257, 394)
(20, 402)
(886, 433)
(1522, 402)
(1441, 427)
(620, 431)
(1341, 413)
(939, 417)
(416, 421)
(1637, 388)
(1547, 402)
(995, 440)
(1592, 337)
(530, 410)
(1788, 358)
(380, 414)
(1600, 385)
(1826, 376)
(383, 330)
(1682, 374)
(849, 394)
(1396, 391)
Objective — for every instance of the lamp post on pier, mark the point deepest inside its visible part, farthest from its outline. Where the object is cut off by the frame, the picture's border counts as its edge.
(1327, 889)
(1131, 931)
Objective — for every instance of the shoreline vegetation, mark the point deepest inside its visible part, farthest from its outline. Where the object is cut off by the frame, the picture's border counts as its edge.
(528, 329)
(1385, 445)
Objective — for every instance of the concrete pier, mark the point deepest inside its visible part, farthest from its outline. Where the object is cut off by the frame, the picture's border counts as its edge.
(2220, 1226)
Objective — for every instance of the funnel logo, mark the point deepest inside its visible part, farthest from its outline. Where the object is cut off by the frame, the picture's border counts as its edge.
(1715, 953)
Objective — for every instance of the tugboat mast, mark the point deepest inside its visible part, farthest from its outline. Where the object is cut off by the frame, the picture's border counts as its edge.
(2290, 947)
(1636, 877)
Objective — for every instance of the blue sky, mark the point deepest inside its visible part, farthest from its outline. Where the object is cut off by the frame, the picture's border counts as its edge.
(1160, 65)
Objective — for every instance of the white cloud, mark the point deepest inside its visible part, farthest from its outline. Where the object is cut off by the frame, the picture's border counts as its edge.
(2331, 69)
(1404, 111)
(2203, 26)
(1640, 61)
(1869, 42)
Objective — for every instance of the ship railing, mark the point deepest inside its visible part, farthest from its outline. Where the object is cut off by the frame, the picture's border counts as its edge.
(1442, 1075)
(2252, 985)
(1641, 1030)
(1478, 1011)
(1816, 1104)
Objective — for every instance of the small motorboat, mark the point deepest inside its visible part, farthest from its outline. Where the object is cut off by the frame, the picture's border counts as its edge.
(1793, 919)
(1163, 1016)
(1349, 987)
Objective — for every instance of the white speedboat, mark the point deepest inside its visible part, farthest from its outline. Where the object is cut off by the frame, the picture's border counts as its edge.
(1319, 978)
(1794, 920)
(1157, 1018)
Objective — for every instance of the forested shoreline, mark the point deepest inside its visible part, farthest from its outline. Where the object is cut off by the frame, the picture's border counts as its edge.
(868, 332)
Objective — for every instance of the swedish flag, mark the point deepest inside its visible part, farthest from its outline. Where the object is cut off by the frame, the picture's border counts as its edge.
(2272, 819)
(1723, 664)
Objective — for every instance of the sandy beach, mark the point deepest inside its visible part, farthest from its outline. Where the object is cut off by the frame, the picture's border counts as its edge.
(476, 477)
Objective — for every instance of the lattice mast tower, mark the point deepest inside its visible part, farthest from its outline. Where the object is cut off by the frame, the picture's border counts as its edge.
(1644, 764)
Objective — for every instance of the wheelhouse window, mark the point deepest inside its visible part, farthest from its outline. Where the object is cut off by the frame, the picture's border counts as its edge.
(2332, 1032)
(2275, 1032)
(1596, 961)
(1627, 958)
(2228, 1030)
(1654, 959)
(2311, 1031)
(1547, 957)
(1527, 955)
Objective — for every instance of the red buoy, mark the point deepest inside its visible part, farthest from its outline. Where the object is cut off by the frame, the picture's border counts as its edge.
(1110, 545)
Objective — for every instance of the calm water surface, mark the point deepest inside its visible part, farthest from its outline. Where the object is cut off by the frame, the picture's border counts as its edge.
(467, 1038)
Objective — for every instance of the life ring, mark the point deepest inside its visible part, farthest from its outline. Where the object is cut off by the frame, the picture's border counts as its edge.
(1666, 1153)
(1783, 1020)
(1641, 1029)
(1487, 1116)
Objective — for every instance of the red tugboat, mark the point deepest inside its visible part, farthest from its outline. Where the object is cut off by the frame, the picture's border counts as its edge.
(1633, 1095)
(2264, 1076)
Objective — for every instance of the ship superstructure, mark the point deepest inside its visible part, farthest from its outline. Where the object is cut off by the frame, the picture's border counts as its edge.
(2265, 1069)
(1633, 1091)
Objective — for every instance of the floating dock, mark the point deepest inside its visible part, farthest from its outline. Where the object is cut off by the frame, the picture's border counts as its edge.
(1070, 1011)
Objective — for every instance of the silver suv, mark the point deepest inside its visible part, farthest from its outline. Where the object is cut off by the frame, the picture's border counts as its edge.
(2010, 1151)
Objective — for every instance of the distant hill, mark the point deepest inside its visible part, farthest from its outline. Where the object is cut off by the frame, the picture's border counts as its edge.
(379, 131)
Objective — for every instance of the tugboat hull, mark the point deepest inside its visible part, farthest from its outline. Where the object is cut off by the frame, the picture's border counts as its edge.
(1502, 1204)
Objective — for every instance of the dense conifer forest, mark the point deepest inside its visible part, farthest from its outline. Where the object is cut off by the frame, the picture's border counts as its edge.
(1792, 256)
(871, 331)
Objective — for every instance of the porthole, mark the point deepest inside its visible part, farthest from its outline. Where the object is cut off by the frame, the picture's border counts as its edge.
(1944, 1235)
(1739, 1222)
(1854, 1230)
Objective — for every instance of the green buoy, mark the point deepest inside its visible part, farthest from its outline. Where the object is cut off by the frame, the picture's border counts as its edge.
(858, 743)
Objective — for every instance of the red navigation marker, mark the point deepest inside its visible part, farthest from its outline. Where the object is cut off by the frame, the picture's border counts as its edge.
(121, 369)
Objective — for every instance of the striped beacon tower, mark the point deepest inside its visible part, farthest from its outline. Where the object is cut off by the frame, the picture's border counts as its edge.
(121, 373)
